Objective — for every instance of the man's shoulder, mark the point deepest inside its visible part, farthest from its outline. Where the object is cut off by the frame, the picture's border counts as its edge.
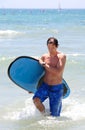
(45, 55)
(61, 55)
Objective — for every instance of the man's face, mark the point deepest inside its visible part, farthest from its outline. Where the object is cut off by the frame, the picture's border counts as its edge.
(51, 45)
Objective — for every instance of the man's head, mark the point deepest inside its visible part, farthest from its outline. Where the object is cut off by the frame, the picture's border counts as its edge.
(52, 40)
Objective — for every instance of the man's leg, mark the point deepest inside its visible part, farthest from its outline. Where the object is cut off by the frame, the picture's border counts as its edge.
(39, 105)
(40, 96)
(55, 97)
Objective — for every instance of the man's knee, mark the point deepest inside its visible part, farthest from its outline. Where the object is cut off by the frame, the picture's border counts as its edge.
(36, 100)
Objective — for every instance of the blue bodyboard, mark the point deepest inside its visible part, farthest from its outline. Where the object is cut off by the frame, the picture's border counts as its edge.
(26, 72)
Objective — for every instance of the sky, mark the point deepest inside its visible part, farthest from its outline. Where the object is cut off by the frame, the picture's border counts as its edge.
(42, 4)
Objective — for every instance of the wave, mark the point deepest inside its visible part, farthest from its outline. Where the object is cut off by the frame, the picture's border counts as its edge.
(4, 58)
(10, 58)
(10, 33)
(75, 54)
(27, 32)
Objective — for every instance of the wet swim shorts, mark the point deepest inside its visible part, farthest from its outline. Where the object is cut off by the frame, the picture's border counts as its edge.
(55, 95)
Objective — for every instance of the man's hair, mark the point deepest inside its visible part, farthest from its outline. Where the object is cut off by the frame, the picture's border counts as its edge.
(55, 41)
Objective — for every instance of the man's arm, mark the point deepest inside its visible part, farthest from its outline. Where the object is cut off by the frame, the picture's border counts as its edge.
(61, 63)
(41, 61)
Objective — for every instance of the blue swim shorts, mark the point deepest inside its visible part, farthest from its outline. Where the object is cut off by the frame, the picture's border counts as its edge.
(55, 95)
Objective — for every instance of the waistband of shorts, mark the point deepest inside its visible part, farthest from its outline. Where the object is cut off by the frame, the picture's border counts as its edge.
(56, 85)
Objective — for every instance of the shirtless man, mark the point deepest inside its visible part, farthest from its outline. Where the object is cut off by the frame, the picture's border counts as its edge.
(52, 88)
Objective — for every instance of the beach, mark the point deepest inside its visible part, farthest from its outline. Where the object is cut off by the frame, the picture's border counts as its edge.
(24, 32)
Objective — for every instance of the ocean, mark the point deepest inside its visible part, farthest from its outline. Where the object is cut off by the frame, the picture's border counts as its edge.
(24, 32)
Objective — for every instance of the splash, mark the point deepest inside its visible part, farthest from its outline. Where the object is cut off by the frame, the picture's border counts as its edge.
(29, 111)
(72, 110)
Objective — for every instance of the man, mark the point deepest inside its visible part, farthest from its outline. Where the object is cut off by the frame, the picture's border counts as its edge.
(52, 88)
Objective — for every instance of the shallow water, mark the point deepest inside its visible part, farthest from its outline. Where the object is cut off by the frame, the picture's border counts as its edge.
(24, 32)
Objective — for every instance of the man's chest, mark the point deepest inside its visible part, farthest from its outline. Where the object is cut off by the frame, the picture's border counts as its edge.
(52, 61)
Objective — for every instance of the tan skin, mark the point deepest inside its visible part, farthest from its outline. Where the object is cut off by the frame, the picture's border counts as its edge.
(54, 63)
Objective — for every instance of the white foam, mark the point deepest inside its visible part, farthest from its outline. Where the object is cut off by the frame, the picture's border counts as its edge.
(10, 33)
(72, 110)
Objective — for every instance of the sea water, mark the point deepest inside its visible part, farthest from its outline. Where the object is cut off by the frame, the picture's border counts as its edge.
(25, 32)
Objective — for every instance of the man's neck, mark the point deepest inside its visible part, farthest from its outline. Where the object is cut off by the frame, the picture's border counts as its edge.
(52, 54)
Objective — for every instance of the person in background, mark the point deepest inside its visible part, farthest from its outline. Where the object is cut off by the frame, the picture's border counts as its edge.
(52, 87)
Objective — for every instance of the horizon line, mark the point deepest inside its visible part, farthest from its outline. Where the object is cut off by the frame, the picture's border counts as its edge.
(38, 8)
